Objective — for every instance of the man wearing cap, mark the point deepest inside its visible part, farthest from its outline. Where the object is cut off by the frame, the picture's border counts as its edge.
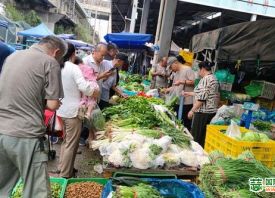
(111, 82)
(183, 81)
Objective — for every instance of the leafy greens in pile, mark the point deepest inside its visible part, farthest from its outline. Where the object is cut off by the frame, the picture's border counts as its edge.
(141, 114)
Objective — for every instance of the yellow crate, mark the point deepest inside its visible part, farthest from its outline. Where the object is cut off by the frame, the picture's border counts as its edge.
(215, 140)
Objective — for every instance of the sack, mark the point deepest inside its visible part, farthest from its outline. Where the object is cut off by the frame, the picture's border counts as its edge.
(97, 119)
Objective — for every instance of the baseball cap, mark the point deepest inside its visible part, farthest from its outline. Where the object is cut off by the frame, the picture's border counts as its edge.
(170, 61)
(123, 57)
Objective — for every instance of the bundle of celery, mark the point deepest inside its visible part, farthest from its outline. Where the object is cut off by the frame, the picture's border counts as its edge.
(226, 177)
(138, 191)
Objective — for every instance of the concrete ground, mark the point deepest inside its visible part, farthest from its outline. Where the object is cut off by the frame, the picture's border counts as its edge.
(84, 162)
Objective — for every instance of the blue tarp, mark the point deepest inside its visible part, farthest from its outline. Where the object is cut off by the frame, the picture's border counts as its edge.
(38, 31)
(129, 40)
(67, 36)
(79, 43)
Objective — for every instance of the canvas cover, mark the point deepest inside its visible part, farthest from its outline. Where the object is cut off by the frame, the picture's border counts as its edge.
(245, 41)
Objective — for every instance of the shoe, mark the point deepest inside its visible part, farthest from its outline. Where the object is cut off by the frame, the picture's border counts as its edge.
(82, 142)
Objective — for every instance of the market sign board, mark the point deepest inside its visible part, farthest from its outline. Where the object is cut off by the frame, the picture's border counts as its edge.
(258, 7)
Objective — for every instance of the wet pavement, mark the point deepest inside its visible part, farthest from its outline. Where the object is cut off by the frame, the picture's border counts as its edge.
(84, 162)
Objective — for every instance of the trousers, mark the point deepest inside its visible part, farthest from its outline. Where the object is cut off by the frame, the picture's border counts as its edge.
(26, 158)
(72, 128)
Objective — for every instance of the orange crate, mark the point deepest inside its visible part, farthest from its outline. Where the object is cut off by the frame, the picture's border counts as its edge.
(215, 140)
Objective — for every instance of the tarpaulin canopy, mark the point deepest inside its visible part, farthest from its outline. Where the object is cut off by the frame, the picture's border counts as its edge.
(67, 36)
(79, 43)
(129, 40)
(38, 31)
(245, 41)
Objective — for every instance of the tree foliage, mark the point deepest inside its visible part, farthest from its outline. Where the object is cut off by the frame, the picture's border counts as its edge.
(14, 14)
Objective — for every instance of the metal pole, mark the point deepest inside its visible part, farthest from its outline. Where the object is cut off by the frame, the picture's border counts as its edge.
(94, 27)
(158, 29)
(134, 16)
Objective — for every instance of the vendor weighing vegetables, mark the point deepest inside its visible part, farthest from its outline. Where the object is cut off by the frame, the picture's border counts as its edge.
(206, 102)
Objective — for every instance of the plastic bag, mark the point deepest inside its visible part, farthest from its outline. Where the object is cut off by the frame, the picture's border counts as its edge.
(97, 119)
(189, 158)
(153, 93)
(172, 98)
(171, 159)
(224, 113)
(141, 158)
(233, 130)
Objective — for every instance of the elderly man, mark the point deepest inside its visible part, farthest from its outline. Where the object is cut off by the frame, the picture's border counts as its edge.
(29, 83)
(94, 61)
(183, 81)
(159, 74)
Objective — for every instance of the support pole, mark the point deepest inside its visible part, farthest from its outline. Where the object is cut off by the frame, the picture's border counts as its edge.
(94, 27)
(253, 17)
(167, 27)
(156, 55)
(134, 16)
(144, 18)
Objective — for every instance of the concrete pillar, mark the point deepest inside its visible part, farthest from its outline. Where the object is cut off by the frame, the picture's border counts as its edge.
(166, 29)
(110, 24)
(134, 16)
(253, 17)
(144, 17)
(50, 19)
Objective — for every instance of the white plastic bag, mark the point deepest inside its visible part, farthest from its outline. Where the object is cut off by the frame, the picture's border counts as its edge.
(97, 119)
(153, 93)
(171, 159)
(141, 158)
(189, 158)
(233, 130)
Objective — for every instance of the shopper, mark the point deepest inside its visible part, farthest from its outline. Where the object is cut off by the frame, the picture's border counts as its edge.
(160, 74)
(206, 102)
(111, 82)
(94, 60)
(29, 83)
(183, 81)
(112, 51)
(73, 84)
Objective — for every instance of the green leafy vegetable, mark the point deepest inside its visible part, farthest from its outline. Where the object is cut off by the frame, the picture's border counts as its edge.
(138, 191)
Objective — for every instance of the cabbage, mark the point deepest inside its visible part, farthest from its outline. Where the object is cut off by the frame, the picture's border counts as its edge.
(254, 137)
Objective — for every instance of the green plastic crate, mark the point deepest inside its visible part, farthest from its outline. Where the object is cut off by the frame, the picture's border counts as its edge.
(102, 181)
(145, 175)
(61, 181)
